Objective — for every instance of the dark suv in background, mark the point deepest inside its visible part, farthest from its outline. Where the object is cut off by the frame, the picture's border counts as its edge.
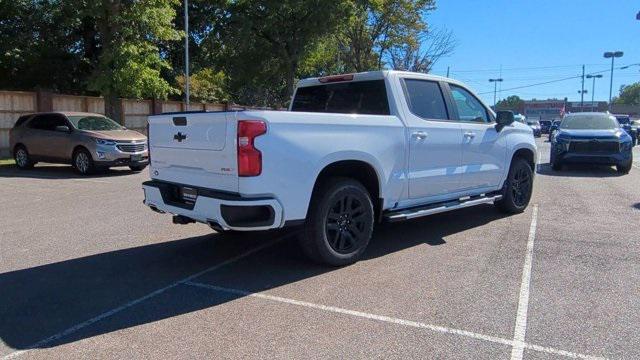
(545, 125)
(591, 138)
(86, 141)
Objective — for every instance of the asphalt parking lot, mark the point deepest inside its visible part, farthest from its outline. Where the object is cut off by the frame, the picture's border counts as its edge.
(87, 271)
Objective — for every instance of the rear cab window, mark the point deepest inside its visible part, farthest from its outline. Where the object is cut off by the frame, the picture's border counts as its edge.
(367, 97)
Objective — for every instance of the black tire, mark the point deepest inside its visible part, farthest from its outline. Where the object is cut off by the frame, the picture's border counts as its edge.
(517, 189)
(83, 162)
(137, 167)
(624, 168)
(22, 158)
(339, 224)
(555, 164)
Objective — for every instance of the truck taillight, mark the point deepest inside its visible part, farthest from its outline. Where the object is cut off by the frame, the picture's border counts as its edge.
(249, 158)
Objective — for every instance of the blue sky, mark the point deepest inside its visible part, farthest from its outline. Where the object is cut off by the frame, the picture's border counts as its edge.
(538, 41)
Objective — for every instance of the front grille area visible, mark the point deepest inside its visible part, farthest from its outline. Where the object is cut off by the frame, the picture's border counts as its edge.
(131, 148)
(591, 146)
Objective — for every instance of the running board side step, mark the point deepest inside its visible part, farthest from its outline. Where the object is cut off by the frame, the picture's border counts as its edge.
(412, 213)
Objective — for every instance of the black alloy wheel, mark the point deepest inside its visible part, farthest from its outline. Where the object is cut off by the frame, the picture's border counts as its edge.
(339, 224)
(345, 225)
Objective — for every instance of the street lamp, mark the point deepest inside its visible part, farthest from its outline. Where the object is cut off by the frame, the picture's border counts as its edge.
(495, 89)
(612, 55)
(582, 92)
(593, 88)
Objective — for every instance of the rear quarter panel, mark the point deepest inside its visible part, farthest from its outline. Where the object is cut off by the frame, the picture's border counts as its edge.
(298, 146)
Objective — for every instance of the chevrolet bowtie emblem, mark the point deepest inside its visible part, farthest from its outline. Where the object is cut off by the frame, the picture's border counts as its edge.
(179, 136)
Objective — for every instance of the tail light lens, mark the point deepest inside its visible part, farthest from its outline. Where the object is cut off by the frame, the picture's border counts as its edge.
(249, 158)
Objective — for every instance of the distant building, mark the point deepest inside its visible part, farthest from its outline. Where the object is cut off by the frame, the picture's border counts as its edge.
(574, 106)
(554, 108)
(543, 109)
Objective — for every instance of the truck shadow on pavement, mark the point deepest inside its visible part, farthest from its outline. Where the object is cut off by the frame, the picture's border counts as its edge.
(59, 172)
(41, 301)
(579, 170)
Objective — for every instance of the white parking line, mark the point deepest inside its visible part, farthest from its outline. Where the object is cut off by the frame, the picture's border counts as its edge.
(523, 303)
(107, 314)
(392, 320)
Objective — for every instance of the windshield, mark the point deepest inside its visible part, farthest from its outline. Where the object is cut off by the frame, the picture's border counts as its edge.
(94, 122)
(589, 122)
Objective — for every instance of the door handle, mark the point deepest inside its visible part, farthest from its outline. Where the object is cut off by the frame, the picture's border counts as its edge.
(470, 134)
(420, 135)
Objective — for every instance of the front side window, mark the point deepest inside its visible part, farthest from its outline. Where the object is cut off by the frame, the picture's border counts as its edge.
(425, 99)
(94, 123)
(469, 107)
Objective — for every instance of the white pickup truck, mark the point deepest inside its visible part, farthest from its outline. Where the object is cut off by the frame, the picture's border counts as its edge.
(352, 150)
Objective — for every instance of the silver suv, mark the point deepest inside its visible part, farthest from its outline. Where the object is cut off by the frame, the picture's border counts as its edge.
(86, 141)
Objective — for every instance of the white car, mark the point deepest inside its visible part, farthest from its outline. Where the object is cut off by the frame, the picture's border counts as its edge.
(352, 150)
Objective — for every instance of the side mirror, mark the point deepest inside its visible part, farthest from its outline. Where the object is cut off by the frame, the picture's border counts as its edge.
(63, 128)
(504, 118)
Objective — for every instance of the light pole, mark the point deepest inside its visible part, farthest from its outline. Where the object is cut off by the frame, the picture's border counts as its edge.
(582, 92)
(495, 89)
(593, 88)
(186, 52)
(612, 55)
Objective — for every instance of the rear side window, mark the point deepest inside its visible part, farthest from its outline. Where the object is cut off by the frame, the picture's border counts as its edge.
(358, 97)
(21, 120)
(47, 122)
(425, 99)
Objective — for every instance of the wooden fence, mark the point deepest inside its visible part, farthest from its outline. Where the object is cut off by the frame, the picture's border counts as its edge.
(13, 104)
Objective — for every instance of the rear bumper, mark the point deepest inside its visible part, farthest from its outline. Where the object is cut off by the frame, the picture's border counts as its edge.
(219, 210)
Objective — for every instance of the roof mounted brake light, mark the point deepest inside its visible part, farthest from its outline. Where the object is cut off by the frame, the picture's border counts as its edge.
(336, 78)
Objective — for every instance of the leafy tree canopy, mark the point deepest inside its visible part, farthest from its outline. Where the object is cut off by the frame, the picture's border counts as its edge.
(629, 95)
(513, 102)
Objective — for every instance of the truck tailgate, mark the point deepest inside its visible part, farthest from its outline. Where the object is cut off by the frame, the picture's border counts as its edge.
(197, 149)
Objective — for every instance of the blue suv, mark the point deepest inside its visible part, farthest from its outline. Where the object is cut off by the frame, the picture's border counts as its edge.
(592, 138)
(626, 123)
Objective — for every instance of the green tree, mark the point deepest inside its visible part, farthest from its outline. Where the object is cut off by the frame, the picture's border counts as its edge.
(513, 102)
(38, 46)
(629, 95)
(127, 34)
(376, 26)
(278, 34)
(206, 85)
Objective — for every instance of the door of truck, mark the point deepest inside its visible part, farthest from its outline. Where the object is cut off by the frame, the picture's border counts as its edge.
(435, 149)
